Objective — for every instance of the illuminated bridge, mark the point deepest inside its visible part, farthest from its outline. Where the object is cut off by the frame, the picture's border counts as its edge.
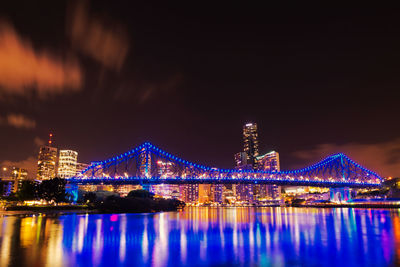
(148, 164)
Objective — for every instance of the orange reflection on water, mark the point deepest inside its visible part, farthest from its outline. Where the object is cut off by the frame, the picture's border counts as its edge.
(396, 229)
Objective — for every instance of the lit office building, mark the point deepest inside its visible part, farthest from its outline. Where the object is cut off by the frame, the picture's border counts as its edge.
(47, 162)
(193, 193)
(204, 193)
(241, 161)
(250, 139)
(216, 192)
(11, 179)
(18, 175)
(67, 163)
(244, 193)
(189, 193)
(269, 162)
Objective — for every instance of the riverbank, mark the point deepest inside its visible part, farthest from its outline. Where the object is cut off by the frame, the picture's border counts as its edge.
(365, 206)
(133, 207)
(43, 208)
(112, 204)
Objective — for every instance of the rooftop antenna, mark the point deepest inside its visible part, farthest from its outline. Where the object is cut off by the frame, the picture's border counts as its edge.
(50, 137)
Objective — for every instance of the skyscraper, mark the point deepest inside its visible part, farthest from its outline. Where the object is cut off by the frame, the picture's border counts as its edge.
(47, 161)
(269, 162)
(67, 163)
(250, 140)
(241, 160)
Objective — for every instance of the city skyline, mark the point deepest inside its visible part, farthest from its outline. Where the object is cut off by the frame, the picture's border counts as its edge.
(190, 83)
(139, 133)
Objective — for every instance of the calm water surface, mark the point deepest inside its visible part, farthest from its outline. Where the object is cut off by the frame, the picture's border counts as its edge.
(205, 237)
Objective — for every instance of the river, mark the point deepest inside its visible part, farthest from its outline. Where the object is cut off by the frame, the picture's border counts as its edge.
(204, 237)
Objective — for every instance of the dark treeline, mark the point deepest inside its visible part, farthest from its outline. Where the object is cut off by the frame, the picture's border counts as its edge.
(54, 190)
(49, 190)
(138, 201)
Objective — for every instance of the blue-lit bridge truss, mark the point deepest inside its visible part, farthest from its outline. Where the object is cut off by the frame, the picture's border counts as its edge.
(148, 164)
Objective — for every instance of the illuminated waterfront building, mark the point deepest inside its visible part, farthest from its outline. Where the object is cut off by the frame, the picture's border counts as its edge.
(269, 162)
(67, 163)
(175, 194)
(189, 193)
(164, 190)
(216, 192)
(244, 192)
(204, 193)
(193, 193)
(47, 161)
(250, 140)
(229, 193)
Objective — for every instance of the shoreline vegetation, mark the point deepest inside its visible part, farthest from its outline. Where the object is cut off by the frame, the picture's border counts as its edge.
(137, 201)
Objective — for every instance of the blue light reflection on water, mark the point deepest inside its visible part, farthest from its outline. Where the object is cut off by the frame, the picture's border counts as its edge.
(205, 237)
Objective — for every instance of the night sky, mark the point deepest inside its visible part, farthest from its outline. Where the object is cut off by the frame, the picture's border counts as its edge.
(105, 76)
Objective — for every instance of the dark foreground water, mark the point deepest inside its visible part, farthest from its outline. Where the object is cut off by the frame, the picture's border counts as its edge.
(205, 237)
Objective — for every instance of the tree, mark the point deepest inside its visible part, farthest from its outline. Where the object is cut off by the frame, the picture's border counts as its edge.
(140, 193)
(53, 189)
(90, 197)
(28, 190)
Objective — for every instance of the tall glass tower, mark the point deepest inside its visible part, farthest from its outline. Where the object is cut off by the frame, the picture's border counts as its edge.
(250, 140)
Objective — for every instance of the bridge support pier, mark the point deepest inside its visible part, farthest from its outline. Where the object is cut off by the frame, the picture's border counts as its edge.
(340, 194)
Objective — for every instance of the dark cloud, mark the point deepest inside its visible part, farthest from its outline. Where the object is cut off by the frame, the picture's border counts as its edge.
(23, 68)
(18, 121)
(106, 42)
